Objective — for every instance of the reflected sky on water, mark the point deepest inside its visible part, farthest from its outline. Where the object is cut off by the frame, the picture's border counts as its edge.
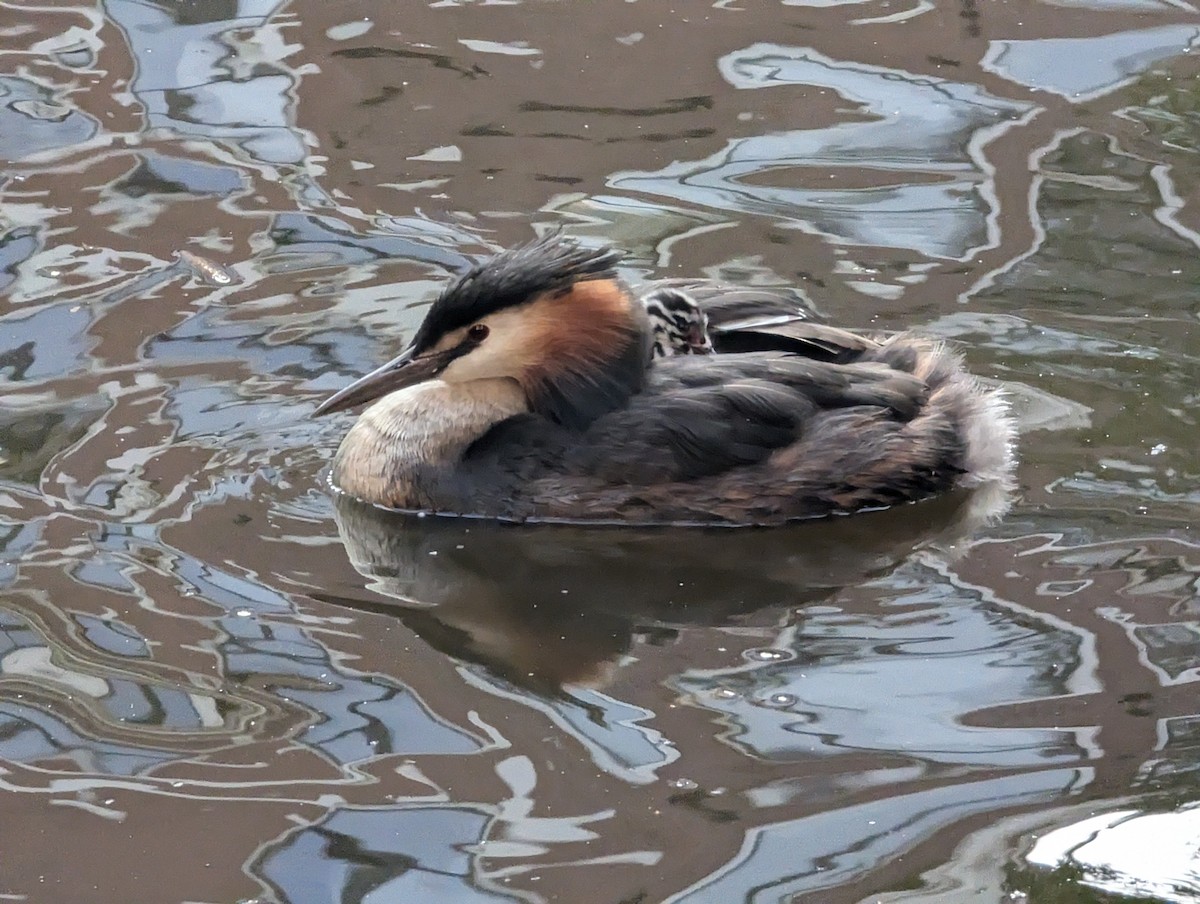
(218, 682)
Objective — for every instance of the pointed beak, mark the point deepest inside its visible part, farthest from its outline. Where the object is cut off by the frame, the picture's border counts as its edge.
(406, 369)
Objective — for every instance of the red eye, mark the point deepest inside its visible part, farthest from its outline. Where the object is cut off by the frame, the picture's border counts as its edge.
(478, 332)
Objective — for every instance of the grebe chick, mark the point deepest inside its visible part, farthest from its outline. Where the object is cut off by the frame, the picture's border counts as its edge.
(529, 392)
(678, 324)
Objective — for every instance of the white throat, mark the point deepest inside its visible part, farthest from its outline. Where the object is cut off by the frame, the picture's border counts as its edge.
(427, 425)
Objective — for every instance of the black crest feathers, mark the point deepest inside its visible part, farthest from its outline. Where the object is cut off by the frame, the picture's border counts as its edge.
(547, 265)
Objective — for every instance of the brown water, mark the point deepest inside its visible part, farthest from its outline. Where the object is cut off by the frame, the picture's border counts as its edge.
(203, 700)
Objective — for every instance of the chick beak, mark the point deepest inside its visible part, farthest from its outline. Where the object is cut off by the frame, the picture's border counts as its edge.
(406, 369)
(697, 340)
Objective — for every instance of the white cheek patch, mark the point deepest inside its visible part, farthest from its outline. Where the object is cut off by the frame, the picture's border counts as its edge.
(505, 353)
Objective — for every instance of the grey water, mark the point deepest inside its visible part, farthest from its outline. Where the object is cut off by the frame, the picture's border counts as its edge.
(218, 683)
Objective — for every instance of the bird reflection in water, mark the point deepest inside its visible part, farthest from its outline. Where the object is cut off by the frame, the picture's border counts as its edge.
(547, 606)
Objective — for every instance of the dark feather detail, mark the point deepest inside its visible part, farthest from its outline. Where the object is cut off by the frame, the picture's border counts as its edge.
(814, 340)
(700, 417)
(762, 320)
(731, 305)
(826, 384)
(546, 265)
(692, 433)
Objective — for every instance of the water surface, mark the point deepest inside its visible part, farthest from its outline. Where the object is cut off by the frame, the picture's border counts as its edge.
(218, 684)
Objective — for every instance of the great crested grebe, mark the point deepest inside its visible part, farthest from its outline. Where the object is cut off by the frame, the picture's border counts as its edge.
(530, 392)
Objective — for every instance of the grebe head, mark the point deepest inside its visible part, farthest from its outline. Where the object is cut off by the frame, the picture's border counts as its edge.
(678, 324)
(549, 315)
